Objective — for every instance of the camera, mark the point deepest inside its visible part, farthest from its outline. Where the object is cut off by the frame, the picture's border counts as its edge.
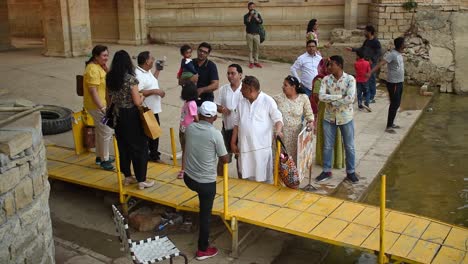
(253, 12)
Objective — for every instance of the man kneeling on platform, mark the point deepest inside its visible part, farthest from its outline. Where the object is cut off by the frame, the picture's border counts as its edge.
(203, 145)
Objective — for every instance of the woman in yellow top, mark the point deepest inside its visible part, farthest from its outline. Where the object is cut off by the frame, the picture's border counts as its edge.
(94, 101)
(294, 104)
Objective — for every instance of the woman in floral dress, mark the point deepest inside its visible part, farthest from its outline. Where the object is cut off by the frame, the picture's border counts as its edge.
(293, 104)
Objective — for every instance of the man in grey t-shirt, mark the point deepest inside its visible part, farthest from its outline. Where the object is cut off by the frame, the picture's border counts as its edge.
(203, 145)
(395, 78)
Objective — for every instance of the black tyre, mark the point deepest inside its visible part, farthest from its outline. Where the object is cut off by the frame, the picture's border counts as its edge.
(55, 119)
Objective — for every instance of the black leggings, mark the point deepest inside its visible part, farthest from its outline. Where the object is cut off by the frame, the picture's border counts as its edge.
(395, 91)
(132, 143)
(206, 194)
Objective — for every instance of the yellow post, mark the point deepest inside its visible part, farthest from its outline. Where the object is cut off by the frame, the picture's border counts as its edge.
(173, 146)
(277, 157)
(119, 174)
(382, 220)
(225, 193)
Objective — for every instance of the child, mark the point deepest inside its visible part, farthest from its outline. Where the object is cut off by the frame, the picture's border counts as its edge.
(187, 68)
(362, 67)
(189, 114)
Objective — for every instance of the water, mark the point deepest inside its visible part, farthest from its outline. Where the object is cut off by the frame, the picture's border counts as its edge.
(428, 175)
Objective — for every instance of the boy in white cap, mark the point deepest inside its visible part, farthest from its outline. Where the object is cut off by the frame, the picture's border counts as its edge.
(204, 144)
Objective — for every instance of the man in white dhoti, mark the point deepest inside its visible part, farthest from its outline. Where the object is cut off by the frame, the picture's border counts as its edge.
(257, 121)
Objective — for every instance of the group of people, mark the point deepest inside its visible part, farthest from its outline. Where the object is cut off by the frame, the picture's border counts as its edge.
(318, 94)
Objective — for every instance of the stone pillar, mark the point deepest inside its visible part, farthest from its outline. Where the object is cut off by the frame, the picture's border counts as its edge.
(25, 224)
(5, 40)
(351, 12)
(67, 30)
(132, 22)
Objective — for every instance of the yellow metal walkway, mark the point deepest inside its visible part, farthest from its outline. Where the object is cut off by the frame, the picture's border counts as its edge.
(408, 238)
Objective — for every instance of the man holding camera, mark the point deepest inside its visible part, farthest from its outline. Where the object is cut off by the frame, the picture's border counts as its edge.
(149, 87)
(252, 22)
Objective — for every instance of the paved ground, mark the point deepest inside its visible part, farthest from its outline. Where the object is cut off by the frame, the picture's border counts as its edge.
(27, 74)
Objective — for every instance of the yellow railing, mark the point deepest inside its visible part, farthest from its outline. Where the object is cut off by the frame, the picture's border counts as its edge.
(382, 221)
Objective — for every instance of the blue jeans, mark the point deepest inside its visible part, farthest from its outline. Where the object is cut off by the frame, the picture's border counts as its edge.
(372, 83)
(308, 92)
(363, 90)
(347, 132)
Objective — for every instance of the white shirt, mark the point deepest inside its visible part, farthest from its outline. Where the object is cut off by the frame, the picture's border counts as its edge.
(149, 82)
(255, 122)
(307, 64)
(229, 99)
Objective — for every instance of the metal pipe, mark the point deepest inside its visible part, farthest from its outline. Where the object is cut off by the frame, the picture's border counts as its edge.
(173, 147)
(382, 220)
(117, 168)
(225, 193)
(277, 157)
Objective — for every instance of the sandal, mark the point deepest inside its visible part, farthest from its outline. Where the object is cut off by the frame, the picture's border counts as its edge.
(180, 175)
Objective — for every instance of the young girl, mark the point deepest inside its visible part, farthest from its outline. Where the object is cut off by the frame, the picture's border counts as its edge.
(188, 115)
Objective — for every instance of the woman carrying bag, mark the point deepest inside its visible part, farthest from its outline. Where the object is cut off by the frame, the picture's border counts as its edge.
(131, 139)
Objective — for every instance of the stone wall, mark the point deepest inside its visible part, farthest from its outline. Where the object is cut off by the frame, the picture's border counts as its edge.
(25, 18)
(25, 224)
(222, 20)
(104, 21)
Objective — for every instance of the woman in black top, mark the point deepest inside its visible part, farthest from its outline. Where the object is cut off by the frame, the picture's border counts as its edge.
(131, 139)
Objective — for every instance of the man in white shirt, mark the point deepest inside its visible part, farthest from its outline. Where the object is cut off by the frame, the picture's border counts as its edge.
(227, 100)
(149, 87)
(257, 121)
(307, 64)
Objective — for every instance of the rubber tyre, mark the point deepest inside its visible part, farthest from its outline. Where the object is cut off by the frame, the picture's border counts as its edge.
(55, 119)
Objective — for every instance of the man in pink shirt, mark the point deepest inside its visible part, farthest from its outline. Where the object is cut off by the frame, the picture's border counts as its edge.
(362, 67)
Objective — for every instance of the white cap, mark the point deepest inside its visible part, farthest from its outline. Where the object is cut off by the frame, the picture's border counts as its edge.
(208, 109)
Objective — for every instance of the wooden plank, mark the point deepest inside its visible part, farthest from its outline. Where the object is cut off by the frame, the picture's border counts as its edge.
(282, 197)
(57, 153)
(354, 234)
(448, 255)
(457, 238)
(373, 240)
(53, 165)
(436, 232)
(324, 206)
(243, 188)
(370, 216)
(403, 246)
(282, 217)
(397, 222)
(423, 251)
(303, 200)
(329, 228)
(252, 211)
(262, 192)
(347, 211)
(416, 227)
(89, 161)
(305, 222)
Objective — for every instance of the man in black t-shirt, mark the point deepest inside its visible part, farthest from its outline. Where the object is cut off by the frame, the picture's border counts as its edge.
(252, 22)
(372, 50)
(208, 80)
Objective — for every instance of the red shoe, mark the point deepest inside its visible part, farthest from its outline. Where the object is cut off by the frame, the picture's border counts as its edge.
(251, 65)
(208, 253)
(258, 65)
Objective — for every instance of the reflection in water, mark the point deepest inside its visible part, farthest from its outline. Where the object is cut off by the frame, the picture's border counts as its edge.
(429, 173)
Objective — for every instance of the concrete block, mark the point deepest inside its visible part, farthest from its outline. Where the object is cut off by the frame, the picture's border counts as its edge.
(9, 179)
(396, 16)
(24, 193)
(9, 204)
(14, 142)
(401, 22)
(390, 22)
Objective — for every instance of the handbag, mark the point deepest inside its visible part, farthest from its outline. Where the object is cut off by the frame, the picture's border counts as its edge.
(288, 172)
(79, 85)
(149, 123)
(89, 137)
(108, 118)
(262, 33)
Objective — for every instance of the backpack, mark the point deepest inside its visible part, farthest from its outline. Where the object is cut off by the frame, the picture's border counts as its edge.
(262, 33)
